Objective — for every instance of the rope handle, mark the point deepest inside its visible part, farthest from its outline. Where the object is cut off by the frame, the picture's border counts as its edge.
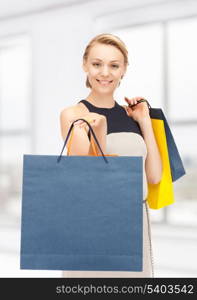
(92, 143)
(72, 131)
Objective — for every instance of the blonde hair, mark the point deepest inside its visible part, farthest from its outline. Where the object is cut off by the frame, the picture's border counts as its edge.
(107, 39)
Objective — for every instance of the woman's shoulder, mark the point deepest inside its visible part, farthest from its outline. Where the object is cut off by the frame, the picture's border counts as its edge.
(73, 109)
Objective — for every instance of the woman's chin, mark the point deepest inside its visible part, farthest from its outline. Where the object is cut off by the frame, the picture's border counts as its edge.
(103, 89)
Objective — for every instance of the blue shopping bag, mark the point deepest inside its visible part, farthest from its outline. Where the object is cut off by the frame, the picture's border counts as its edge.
(82, 212)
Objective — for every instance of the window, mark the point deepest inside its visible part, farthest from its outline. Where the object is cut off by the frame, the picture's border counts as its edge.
(15, 119)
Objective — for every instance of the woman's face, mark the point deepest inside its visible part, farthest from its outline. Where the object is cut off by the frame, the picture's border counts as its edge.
(104, 67)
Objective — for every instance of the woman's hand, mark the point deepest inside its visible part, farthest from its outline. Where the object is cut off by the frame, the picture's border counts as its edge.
(98, 122)
(139, 112)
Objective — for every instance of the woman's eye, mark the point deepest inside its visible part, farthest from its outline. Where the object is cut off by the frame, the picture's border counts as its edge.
(115, 66)
(97, 64)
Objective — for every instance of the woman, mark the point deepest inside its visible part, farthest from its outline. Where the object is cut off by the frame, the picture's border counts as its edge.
(123, 130)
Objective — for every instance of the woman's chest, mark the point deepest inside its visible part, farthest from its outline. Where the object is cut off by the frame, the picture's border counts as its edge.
(126, 144)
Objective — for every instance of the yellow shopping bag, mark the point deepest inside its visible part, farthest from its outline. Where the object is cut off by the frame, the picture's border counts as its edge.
(161, 194)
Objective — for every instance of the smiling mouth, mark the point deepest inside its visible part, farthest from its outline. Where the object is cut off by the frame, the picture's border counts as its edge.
(104, 82)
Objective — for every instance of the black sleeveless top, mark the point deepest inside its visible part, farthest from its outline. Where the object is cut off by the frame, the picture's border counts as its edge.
(117, 119)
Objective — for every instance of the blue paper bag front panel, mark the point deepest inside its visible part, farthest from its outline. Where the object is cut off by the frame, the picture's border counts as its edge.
(82, 213)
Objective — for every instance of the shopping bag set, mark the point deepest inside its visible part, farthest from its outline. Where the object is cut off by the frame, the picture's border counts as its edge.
(86, 212)
(162, 194)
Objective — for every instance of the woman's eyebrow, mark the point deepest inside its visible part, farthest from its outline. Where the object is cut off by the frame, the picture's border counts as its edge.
(101, 59)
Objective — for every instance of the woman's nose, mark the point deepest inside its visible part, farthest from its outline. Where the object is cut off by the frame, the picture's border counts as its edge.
(105, 71)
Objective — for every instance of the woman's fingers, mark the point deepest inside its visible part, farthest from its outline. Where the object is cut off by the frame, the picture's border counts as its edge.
(82, 124)
(130, 101)
(127, 100)
(133, 101)
(78, 123)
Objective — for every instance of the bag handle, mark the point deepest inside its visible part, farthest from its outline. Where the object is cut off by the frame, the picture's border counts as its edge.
(92, 143)
(139, 101)
(71, 131)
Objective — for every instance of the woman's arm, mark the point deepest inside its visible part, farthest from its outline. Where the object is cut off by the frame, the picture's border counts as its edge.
(140, 113)
(80, 142)
(153, 163)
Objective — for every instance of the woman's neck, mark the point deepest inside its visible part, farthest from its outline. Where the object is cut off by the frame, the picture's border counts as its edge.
(101, 100)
